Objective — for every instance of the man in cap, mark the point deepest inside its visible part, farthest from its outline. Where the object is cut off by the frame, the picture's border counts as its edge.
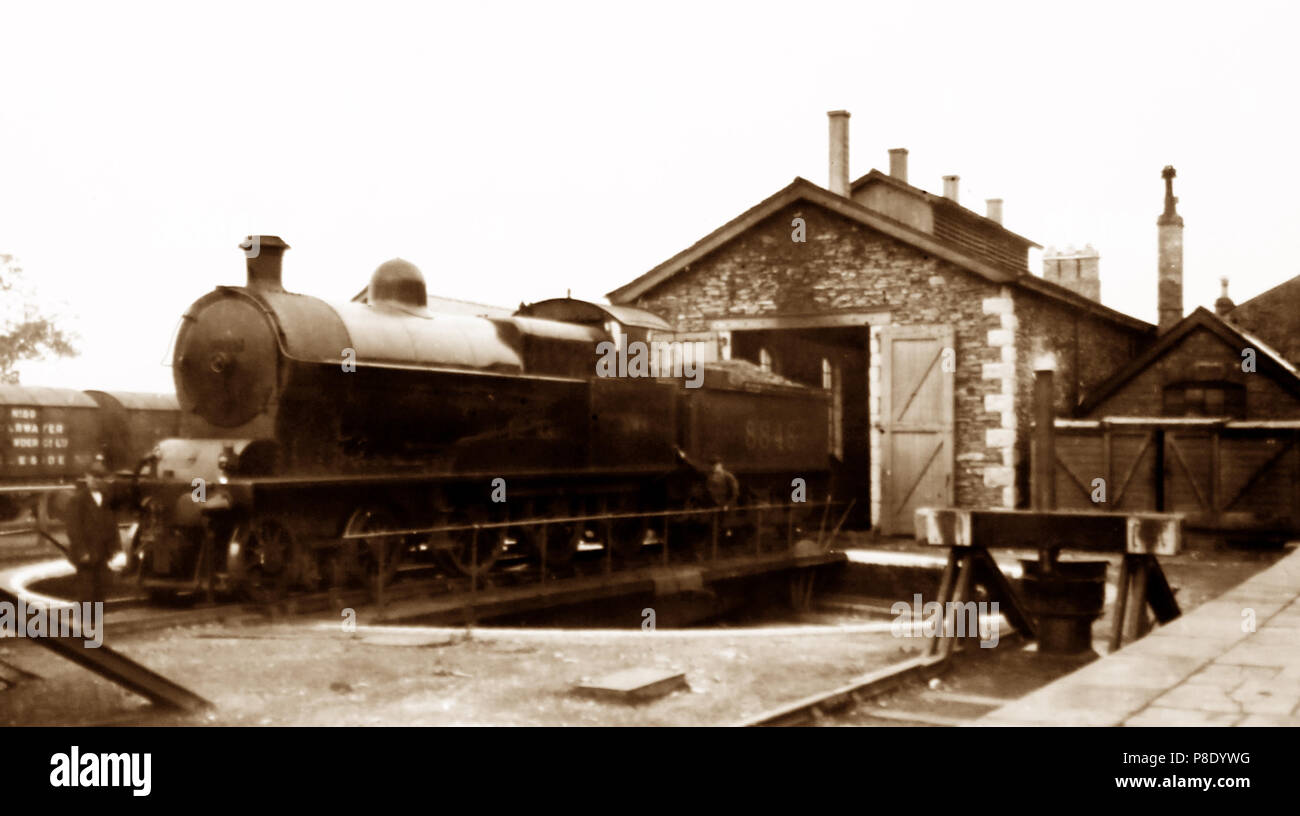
(92, 533)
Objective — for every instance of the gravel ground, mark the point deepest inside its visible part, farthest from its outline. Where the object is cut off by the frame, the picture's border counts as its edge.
(303, 675)
(308, 674)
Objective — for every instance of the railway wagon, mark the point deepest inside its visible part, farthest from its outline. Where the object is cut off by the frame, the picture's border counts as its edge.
(131, 423)
(310, 430)
(51, 436)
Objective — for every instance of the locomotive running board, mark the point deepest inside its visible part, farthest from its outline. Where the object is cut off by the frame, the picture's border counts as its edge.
(118, 668)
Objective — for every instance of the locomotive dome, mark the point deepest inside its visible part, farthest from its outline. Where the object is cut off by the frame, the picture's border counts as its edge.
(398, 281)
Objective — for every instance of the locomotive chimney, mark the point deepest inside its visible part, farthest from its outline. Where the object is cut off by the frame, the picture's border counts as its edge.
(264, 253)
(839, 152)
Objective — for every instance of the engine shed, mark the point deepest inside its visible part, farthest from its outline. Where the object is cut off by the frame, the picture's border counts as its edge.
(920, 316)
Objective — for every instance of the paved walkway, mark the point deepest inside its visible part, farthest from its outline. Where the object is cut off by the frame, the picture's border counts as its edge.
(1205, 668)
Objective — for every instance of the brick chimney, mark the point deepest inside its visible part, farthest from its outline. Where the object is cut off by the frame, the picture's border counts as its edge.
(1169, 225)
(1078, 270)
(994, 209)
(898, 163)
(839, 122)
(950, 187)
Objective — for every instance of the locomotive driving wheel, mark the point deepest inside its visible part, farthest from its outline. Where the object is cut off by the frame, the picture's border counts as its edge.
(275, 561)
(471, 553)
(361, 557)
(562, 538)
(626, 535)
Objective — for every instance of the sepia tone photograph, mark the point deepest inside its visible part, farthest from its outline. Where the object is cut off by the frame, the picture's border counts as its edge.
(687, 364)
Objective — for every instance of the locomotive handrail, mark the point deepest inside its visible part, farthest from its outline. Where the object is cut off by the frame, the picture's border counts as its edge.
(37, 488)
(491, 525)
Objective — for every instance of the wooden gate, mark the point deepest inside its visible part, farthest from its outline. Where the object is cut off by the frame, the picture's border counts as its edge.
(916, 414)
(1125, 459)
(1221, 475)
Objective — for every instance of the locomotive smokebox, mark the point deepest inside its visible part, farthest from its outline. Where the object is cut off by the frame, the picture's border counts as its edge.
(264, 254)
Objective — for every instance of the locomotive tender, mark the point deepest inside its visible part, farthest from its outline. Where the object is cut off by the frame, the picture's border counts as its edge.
(306, 425)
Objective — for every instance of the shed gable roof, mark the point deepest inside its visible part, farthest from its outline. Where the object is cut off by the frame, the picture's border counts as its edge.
(803, 190)
(1270, 361)
(1275, 316)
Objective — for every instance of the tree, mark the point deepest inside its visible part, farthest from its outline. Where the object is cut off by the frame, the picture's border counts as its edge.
(25, 332)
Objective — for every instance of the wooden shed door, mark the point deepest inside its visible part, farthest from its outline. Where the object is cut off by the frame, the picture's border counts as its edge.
(916, 411)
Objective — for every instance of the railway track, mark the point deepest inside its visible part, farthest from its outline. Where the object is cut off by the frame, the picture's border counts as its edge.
(929, 691)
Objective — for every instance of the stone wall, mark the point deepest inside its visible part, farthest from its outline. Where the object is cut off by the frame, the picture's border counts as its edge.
(844, 266)
(1087, 350)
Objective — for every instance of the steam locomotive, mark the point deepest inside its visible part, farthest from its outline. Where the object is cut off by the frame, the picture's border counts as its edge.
(311, 432)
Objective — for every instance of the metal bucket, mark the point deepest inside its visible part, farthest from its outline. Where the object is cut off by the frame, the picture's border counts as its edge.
(1064, 601)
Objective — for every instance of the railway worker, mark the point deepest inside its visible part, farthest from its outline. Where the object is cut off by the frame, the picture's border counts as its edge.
(723, 487)
(92, 533)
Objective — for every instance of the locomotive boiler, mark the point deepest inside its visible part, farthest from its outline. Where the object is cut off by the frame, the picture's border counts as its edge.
(311, 431)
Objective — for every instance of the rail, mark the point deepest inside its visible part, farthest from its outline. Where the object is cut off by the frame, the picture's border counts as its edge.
(116, 667)
(548, 520)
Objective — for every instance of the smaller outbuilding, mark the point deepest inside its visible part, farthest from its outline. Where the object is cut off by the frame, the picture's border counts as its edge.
(1204, 422)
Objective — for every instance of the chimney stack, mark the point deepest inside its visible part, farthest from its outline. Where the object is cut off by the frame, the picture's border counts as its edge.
(1169, 225)
(1224, 304)
(994, 206)
(839, 121)
(898, 163)
(950, 187)
(264, 253)
(1078, 270)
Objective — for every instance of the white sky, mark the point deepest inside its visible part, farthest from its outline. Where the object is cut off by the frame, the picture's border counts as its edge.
(513, 151)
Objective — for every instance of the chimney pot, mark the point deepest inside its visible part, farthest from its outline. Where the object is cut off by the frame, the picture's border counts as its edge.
(1224, 304)
(898, 163)
(264, 254)
(994, 206)
(950, 187)
(839, 153)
